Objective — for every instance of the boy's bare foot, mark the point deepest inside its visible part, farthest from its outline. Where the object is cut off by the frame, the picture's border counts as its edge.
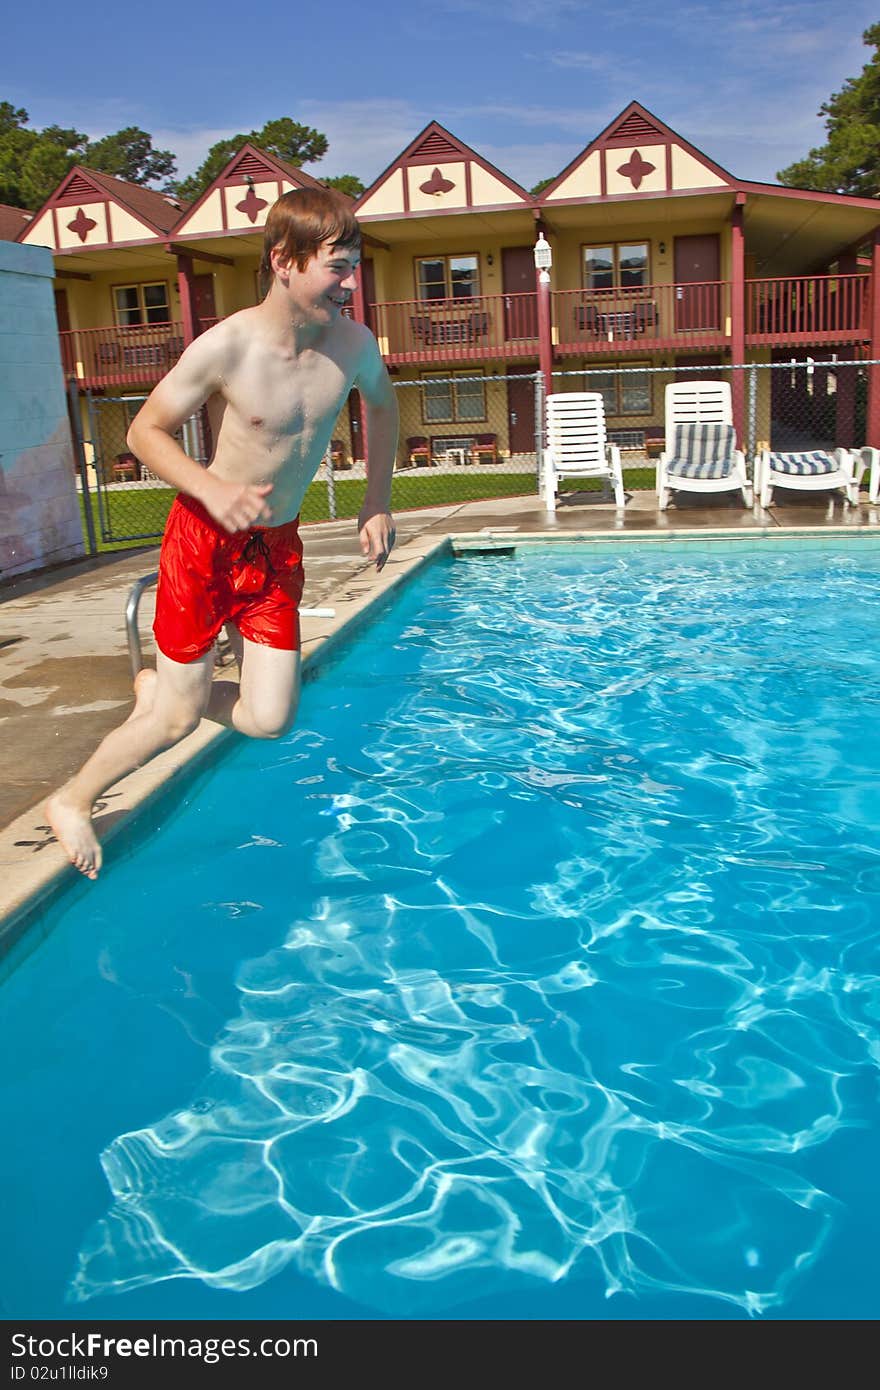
(73, 829)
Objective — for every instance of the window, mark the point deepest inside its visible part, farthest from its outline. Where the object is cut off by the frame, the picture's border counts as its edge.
(446, 401)
(448, 277)
(624, 393)
(623, 265)
(138, 304)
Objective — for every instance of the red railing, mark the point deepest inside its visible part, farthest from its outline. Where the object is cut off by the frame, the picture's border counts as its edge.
(807, 309)
(640, 317)
(113, 356)
(456, 330)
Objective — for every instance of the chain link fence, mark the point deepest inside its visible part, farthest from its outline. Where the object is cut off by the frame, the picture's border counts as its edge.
(470, 435)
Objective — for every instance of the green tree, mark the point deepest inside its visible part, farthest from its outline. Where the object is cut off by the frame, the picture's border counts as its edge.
(294, 143)
(33, 162)
(541, 185)
(129, 154)
(850, 160)
(346, 183)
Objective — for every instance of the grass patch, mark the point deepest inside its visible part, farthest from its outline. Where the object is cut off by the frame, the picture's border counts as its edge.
(136, 518)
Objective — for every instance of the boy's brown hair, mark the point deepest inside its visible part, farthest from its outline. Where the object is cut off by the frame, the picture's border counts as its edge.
(301, 221)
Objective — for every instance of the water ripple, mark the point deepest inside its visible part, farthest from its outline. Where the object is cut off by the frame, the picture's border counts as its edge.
(585, 972)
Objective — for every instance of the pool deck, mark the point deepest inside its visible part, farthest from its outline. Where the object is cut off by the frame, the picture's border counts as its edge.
(65, 672)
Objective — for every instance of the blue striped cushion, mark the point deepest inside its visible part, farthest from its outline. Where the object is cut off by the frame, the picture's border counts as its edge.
(702, 451)
(803, 465)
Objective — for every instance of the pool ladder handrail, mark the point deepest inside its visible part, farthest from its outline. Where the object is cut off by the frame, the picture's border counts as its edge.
(133, 603)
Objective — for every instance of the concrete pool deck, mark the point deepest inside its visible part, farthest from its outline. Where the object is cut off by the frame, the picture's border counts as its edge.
(65, 674)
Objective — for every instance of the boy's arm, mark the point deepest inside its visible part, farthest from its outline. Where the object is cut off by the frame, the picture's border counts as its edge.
(195, 377)
(375, 526)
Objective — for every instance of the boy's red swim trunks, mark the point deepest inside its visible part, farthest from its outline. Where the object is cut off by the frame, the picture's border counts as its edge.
(208, 576)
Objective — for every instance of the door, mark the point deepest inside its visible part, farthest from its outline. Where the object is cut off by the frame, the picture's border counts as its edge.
(203, 300)
(368, 282)
(521, 416)
(62, 314)
(355, 419)
(697, 304)
(518, 279)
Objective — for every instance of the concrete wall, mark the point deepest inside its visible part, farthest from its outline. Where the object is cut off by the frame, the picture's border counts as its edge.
(39, 511)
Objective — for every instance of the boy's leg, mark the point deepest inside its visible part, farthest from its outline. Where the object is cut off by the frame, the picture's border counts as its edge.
(264, 703)
(168, 706)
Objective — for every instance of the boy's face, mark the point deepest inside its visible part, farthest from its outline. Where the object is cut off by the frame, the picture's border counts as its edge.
(325, 287)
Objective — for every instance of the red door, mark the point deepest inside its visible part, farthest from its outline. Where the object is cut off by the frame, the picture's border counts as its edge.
(62, 314)
(518, 280)
(521, 415)
(368, 282)
(203, 300)
(697, 293)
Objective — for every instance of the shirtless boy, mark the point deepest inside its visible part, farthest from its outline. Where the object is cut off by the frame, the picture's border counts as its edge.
(274, 379)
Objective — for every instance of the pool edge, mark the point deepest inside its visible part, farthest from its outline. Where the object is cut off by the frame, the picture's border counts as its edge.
(34, 867)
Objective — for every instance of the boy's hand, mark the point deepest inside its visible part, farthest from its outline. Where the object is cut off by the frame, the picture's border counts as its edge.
(377, 536)
(236, 506)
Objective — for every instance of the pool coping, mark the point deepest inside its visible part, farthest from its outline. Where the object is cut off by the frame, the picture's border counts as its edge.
(36, 868)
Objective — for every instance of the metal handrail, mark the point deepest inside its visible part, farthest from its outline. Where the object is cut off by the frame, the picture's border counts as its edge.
(133, 603)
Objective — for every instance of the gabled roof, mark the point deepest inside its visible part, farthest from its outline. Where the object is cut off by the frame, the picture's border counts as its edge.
(160, 209)
(12, 221)
(437, 172)
(636, 153)
(107, 211)
(225, 207)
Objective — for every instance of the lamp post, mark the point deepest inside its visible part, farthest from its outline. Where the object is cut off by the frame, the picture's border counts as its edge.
(543, 262)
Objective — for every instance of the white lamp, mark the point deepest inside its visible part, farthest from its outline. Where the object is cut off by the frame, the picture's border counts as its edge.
(543, 258)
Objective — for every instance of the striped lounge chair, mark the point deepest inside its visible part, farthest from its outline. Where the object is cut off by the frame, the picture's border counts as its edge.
(815, 470)
(702, 455)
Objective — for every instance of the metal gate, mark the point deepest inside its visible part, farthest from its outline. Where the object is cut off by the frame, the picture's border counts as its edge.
(127, 502)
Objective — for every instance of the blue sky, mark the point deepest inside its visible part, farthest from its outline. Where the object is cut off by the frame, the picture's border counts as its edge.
(528, 83)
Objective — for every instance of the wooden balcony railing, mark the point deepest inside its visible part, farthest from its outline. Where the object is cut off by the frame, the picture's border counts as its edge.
(807, 309)
(797, 310)
(111, 356)
(456, 330)
(643, 317)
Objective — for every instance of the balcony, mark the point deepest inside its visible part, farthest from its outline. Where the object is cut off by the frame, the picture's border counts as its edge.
(485, 327)
(807, 309)
(111, 357)
(798, 310)
(642, 318)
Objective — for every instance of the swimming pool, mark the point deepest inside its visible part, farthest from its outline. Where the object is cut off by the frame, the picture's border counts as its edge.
(535, 975)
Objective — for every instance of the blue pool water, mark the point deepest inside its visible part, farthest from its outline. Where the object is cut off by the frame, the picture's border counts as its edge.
(535, 975)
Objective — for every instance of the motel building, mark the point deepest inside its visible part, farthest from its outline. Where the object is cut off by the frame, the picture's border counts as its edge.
(660, 258)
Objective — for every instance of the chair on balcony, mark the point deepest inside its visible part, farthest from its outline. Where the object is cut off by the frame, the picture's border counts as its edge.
(485, 448)
(418, 450)
(577, 445)
(586, 317)
(702, 456)
(478, 326)
(420, 326)
(814, 470)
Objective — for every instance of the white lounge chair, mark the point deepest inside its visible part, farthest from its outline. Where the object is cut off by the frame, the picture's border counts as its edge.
(701, 453)
(577, 445)
(813, 470)
(871, 460)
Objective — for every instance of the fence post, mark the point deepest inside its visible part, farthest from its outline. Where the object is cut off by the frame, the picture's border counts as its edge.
(539, 429)
(79, 454)
(753, 414)
(331, 482)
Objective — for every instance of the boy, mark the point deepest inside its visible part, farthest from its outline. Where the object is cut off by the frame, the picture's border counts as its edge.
(274, 379)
